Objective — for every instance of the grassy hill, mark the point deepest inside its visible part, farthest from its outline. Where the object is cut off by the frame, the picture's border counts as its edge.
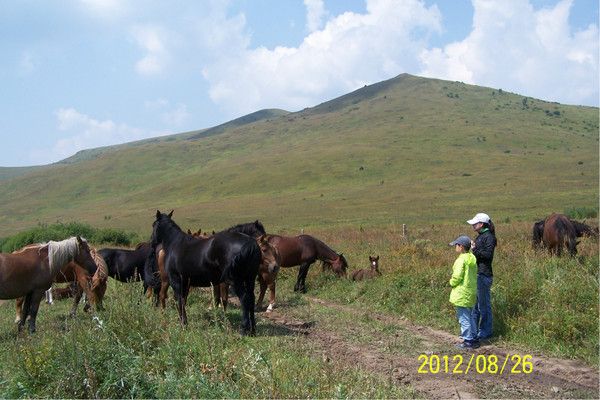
(406, 150)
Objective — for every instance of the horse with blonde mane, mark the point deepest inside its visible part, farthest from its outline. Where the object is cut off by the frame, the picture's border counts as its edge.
(30, 271)
(94, 286)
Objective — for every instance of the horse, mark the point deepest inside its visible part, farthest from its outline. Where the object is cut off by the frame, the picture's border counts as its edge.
(229, 257)
(537, 233)
(268, 267)
(368, 273)
(582, 229)
(30, 271)
(267, 272)
(80, 281)
(126, 265)
(304, 250)
(559, 231)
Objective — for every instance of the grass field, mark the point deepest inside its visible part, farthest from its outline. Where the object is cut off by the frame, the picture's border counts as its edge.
(421, 152)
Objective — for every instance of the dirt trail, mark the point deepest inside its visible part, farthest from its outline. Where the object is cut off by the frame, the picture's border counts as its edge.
(551, 378)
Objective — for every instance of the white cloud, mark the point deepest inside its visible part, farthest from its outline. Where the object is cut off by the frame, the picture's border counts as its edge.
(152, 40)
(87, 133)
(315, 12)
(351, 50)
(515, 47)
(107, 9)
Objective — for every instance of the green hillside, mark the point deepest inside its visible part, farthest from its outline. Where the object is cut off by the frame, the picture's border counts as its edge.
(407, 150)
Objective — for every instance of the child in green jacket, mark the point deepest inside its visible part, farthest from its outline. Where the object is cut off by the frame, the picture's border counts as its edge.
(464, 291)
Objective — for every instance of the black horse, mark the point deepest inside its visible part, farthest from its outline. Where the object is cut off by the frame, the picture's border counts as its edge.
(224, 257)
(126, 265)
(254, 229)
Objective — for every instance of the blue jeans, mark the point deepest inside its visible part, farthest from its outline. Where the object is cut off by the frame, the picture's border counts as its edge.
(468, 329)
(482, 312)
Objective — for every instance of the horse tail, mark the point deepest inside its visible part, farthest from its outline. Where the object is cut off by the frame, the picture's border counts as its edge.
(151, 274)
(245, 264)
(567, 235)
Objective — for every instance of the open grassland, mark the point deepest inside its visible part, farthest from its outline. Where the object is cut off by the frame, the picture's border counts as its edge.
(542, 305)
(408, 150)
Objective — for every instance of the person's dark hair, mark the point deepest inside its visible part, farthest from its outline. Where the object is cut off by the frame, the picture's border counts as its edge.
(491, 227)
(467, 247)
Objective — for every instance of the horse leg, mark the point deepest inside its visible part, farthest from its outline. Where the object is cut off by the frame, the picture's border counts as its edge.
(301, 281)
(26, 305)
(217, 294)
(261, 293)
(245, 292)
(181, 289)
(19, 309)
(85, 284)
(77, 294)
(224, 291)
(36, 298)
(162, 296)
(271, 296)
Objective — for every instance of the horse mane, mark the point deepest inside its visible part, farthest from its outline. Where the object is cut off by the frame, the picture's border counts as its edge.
(60, 253)
(101, 273)
(254, 229)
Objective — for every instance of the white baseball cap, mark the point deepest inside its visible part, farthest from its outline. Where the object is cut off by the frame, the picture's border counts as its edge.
(479, 217)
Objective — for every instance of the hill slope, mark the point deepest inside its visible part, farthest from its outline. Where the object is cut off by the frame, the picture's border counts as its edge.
(408, 149)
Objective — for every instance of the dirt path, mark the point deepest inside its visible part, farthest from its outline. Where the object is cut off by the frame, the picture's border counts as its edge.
(382, 355)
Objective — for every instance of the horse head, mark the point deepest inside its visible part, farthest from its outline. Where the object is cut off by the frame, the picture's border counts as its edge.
(270, 254)
(160, 225)
(339, 265)
(83, 256)
(374, 264)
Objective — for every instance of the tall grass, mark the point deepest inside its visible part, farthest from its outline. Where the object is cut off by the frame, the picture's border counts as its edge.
(539, 302)
(133, 350)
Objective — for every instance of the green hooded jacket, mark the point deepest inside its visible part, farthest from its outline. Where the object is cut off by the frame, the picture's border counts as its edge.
(464, 281)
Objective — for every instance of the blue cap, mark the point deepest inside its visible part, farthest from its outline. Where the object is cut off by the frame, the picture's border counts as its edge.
(463, 240)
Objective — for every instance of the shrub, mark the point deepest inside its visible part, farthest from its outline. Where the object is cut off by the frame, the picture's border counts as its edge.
(581, 212)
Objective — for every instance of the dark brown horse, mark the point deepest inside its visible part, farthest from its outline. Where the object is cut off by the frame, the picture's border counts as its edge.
(303, 250)
(30, 272)
(94, 286)
(368, 273)
(559, 232)
(228, 257)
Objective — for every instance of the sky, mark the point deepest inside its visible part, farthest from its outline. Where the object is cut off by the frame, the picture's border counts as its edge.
(79, 74)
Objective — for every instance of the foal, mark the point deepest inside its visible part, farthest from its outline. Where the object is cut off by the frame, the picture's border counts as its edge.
(368, 273)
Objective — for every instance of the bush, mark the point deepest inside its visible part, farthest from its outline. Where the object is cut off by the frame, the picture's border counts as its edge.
(60, 231)
(581, 212)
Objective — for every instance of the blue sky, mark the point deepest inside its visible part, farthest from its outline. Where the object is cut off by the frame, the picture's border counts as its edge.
(79, 74)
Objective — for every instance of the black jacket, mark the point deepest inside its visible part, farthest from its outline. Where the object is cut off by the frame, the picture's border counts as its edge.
(484, 252)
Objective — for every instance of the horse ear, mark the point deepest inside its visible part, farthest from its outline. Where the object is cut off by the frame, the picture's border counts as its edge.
(171, 213)
(189, 232)
(79, 241)
(157, 214)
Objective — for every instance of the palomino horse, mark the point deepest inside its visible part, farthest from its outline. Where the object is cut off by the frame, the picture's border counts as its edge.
(94, 286)
(31, 271)
(304, 250)
(224, 257)
(368, 273)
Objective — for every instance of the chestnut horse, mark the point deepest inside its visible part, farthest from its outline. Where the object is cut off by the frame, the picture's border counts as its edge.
(559, 232)
(303, 250)
(94, 285)
(229, 257)
(30, 272)
(368, 273)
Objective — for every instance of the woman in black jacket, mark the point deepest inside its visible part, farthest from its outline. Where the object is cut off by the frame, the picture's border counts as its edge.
(483, 249)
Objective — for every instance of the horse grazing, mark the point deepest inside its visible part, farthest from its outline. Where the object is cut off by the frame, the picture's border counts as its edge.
(582, 229)
(368, 273)
(30, 271)
(228, 257)
(81, 281)
(126, 265)
(304, 250)
(557, 231)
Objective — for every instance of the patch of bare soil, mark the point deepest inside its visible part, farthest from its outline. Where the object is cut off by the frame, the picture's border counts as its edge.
(550, 378)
